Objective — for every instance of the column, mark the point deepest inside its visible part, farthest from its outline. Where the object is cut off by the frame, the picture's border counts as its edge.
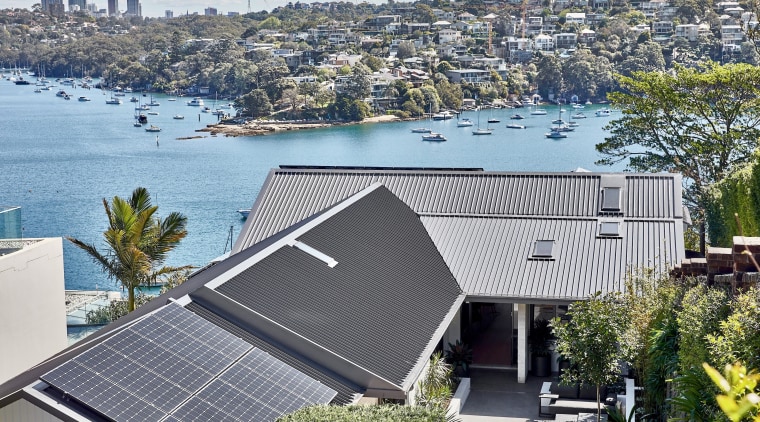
(522, 342)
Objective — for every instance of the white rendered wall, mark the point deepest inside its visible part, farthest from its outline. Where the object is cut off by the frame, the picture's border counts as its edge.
(23, 411)
(32, 308)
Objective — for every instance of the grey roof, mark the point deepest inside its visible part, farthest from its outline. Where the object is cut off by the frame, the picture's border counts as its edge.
(366, 325)
(484, 223)
(390, 280)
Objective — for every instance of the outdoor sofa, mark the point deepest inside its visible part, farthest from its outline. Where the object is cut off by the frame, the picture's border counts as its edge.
(557, 399)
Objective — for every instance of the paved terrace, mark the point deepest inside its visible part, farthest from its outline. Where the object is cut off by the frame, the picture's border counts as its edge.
(496, 396)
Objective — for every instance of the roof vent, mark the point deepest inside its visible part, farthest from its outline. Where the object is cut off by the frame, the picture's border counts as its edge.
(315, 253)
(611, 199)
(543, 249)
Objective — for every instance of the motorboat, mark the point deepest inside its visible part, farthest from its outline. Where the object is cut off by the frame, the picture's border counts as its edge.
(422, 130)
(21, 81)
(603, 112)
(517, 117)
(141, 119)
(153, 128)
(493, 120)
(434, 137)
(515, 126)
(555, 134)
(178, 117)
(196, 102)
(538, 112)
(153, 113)
(578, 116)
(444, 115)
(464, 123)
(61, 94)
(558, 122)
(143, 107)
(67, 97)
(134, 99)
(206, 109)
(113, 100)
(482, 131)
(244, 213)
(83, 98)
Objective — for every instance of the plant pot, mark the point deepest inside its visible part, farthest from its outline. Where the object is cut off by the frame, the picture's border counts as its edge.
(461, 371)
(563, 365)
(542, 366)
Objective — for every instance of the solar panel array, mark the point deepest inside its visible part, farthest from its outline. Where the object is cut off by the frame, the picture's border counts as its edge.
(171, 359)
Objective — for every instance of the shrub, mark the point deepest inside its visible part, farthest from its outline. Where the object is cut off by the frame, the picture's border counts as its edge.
(384, 413)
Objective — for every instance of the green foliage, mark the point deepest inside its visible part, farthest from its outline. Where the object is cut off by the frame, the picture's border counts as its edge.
(738, 194)
(434, 389)
(700, 122)
(255, 104)
(459, 354)
(384, 413)
(739, 398)
(701, 311)
(738, 339)
(589, 340)
(115, 310)
(137, 241)
(695, 398)
(662, 363)
(541, 338)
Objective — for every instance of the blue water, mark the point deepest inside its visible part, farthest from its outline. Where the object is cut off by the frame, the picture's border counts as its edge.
(59, 158)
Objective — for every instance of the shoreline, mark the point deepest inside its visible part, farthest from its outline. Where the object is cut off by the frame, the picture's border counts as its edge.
(258, 127)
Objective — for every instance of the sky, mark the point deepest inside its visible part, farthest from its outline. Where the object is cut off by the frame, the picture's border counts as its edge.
(156, 8)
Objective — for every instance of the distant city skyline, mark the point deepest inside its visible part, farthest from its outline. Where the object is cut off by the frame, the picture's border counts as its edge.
(157, 8)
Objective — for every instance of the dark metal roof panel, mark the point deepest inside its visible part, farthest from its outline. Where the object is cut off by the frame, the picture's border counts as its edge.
(491, 257)
(293, 194)
(390, 283)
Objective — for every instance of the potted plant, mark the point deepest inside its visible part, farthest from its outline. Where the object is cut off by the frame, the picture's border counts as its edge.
(540, 340)
(459, 356)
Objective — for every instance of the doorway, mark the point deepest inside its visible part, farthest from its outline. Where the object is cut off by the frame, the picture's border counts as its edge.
(488, 329)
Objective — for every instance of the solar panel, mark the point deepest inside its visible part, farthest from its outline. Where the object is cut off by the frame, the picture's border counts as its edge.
(258, 387)
(149, 368)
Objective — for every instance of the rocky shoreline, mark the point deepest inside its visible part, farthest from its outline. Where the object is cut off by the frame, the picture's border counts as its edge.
(263, 127)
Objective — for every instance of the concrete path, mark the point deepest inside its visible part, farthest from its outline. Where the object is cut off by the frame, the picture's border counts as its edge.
(495, 396)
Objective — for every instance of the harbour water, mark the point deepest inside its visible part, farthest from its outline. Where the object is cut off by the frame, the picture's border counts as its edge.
(59, 159)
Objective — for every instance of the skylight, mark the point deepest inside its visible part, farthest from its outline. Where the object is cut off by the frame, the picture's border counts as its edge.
(315, 253)
(611, 199)
(543, 249)
(609, 228)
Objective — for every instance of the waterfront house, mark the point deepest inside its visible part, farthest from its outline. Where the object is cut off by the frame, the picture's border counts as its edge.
(347, 279)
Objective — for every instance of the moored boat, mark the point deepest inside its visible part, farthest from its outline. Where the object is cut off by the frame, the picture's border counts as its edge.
(153, 128)
(464, 123)
(422, 130)
(517, 117)
(434, 137)
(555, 134)
(178, 117)
(515, 126)
(196, 102)
(603, 112)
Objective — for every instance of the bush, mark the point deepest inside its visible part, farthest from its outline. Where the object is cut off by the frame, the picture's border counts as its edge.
(384, 413)
(115, 310)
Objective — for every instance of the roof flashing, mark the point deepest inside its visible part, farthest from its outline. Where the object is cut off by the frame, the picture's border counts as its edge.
(543, 250)
(610, 229)
(611, 199)
(330, 261)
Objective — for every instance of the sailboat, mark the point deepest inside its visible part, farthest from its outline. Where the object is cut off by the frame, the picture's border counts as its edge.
(424, 129)
(481, 131)
(556, 131)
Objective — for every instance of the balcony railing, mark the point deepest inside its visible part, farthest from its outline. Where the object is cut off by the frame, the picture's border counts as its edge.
(10, 222)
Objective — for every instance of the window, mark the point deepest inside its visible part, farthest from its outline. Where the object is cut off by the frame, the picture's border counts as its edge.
(611, 199)
(609, 228)
(543, 249)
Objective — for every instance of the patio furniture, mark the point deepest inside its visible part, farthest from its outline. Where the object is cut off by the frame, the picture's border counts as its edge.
(555, 399)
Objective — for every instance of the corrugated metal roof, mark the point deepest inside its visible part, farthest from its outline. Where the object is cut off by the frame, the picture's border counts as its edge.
(390, 283)
(491, 257)
(482, 251)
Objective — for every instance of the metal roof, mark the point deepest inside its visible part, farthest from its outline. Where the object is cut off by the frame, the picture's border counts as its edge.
(484, 223)
(390, 281)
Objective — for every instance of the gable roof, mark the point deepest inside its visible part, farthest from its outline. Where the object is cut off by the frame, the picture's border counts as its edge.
(354, 298)
(485, 223)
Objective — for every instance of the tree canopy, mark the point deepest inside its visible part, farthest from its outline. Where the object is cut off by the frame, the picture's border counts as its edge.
(700, 122)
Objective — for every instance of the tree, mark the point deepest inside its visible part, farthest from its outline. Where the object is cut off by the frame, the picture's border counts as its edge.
(406, 50)
(701, 123)
(255, 103)
(137, 241)
(589, 340)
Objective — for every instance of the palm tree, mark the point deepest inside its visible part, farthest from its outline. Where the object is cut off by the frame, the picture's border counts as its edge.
(137, 242)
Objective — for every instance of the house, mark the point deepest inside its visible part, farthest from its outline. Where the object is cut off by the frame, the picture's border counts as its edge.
(473, 76)
(347, 304)
(575, 18)
(519, 244)
(32, 308)
(565, 40)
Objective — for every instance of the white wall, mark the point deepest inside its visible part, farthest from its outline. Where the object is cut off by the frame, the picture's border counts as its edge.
(23, 411)
(32, 308)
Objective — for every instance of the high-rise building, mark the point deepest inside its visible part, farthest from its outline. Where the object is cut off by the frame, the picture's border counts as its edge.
(113, 7)
(211, 11)
(48, 5)
(80, 4)
(134, 8)
(168, 14)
